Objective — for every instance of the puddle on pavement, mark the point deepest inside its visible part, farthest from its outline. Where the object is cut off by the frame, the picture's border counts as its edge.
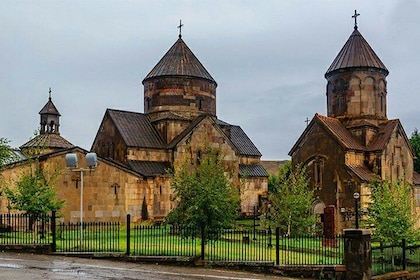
(12, 265)
(56, 270)
(69, 271)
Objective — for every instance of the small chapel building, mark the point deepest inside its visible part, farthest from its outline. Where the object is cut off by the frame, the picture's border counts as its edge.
(355, 143)
(135, 150)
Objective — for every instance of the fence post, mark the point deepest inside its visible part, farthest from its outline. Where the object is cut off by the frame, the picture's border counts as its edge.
(404, 256)
(203, 241)
(128, 225)
(277, 245)
(54, 231)
(358, 254)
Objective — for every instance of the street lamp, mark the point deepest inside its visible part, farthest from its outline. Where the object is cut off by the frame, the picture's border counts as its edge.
(91, 162)
(356, 197)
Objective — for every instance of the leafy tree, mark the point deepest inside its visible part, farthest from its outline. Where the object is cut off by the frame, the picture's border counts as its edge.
(390, 212)
(415, 144)
(204, 194)
(290, 201)
(6, 152)
(34, 192)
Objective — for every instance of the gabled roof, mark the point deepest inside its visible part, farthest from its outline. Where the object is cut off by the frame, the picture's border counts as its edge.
(233, 133)
(179, 61)
(49, 109)
(149, 168)
(241, 141)
(136, 129)
(356, 53)
(333, 127)
(170, 116)
(187, 131)
(340, 132)
(383, 136)
(343, 136)
(252, 170)
(47, 140)
(362, 172)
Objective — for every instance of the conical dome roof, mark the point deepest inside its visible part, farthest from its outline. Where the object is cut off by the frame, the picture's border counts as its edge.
(179, 61)
(356, 53)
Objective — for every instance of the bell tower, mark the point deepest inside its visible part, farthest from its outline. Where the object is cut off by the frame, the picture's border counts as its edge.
(356, 87)
(50, 118)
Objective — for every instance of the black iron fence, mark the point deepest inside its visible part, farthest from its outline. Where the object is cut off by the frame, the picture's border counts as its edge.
(309, 250)
(88, 237)
(230, 245)
(162, 240)
(390, 258)
(25, 229)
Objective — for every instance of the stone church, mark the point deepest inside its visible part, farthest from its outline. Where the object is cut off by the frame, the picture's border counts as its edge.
(135, 150)
(356, 142)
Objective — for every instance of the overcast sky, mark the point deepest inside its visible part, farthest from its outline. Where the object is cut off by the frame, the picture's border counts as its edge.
(268, 58)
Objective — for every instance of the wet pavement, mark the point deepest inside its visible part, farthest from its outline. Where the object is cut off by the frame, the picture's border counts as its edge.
(37, 267)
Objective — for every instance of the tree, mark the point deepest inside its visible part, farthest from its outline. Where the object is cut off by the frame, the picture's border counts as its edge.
(290, 201)
(204, 194)
(415, 144)
(34, 192)
(390, 212)
(6, 152)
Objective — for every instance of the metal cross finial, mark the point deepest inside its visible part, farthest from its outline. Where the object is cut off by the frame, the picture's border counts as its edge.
(355, 18)
(180, 26)
(307, 121)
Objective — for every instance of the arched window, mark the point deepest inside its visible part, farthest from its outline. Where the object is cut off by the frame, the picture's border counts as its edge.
(315, 166)
(382, 102)
(52, 126)
(318, 170)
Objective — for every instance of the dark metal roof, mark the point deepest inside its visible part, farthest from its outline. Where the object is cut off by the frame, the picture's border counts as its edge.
(136, 129)
(49, 109)
(356, 53)
(239, 138)
(362, 172)
(383, 136)
(249, 170)
(242, 142)
(180, 61)
(344, 136)
(149, 168)
(47, 140)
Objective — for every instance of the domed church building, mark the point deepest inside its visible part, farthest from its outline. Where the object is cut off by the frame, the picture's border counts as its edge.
(355, 143)
(179, 120)
(135, 150)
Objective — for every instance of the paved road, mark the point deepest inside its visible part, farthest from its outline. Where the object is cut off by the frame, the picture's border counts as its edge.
(37, 267)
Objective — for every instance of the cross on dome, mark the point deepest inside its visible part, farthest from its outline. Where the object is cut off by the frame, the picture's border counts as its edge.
(355, 18)
(180, 26)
